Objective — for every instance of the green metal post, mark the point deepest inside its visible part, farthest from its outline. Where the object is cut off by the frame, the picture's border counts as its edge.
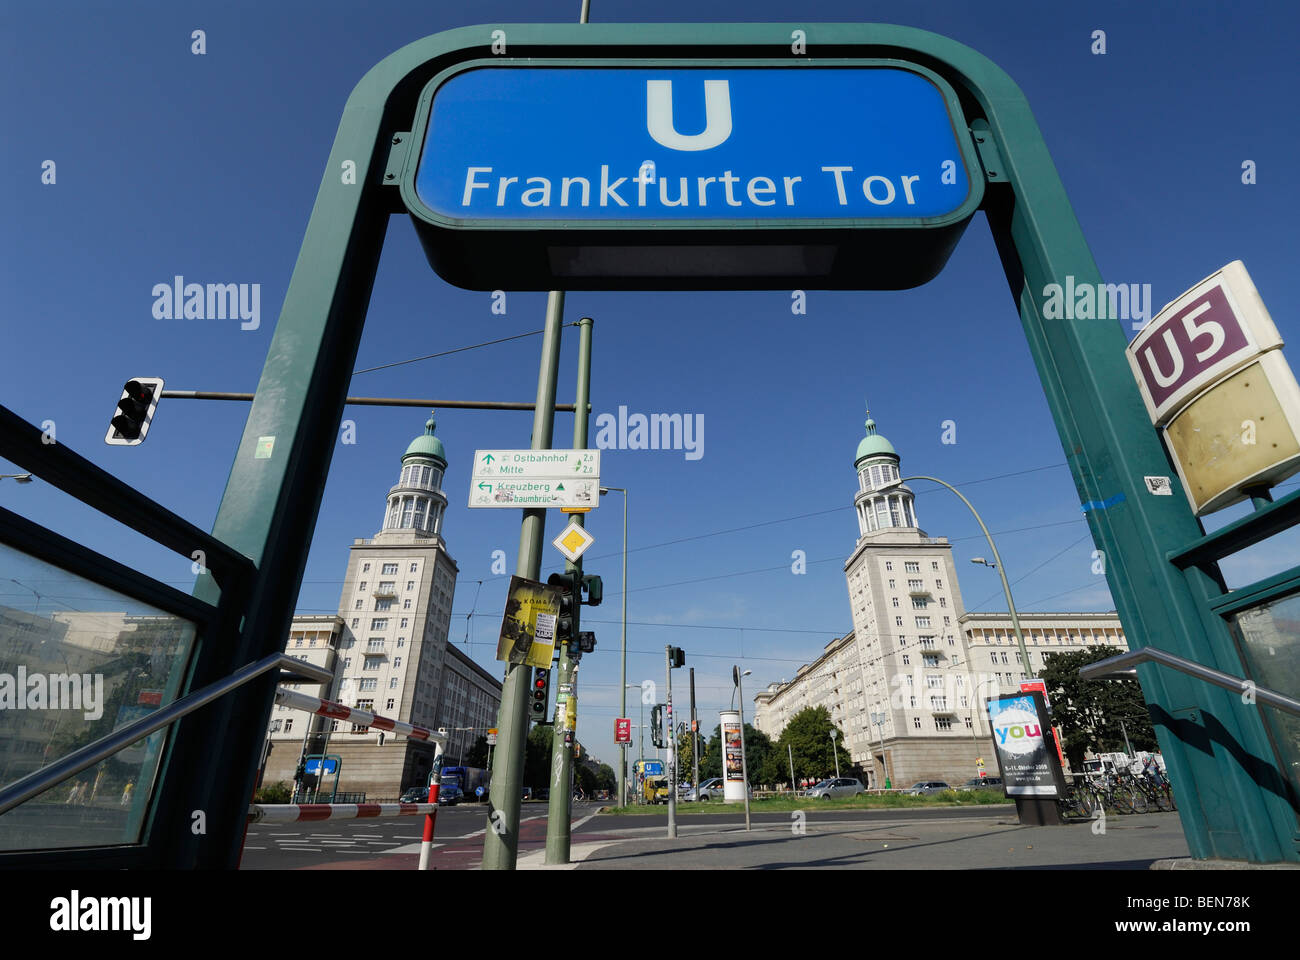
(560, 808)
(501, 841)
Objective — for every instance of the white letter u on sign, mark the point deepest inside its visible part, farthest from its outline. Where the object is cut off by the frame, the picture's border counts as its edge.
(659, 115)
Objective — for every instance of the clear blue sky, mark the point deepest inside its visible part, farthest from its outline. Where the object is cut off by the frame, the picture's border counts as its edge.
(207, 167)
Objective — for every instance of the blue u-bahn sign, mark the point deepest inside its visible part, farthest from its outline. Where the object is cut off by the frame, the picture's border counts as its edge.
(581, 175)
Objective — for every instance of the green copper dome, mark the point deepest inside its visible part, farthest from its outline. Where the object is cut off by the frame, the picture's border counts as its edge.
(427, 445)
(873, 444)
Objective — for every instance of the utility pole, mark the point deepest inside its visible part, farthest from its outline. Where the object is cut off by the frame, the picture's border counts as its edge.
(794, 787)
(672, 758)
(744, 761)
(695, 741)
(500, 849)
(560, 807)
(835, 750)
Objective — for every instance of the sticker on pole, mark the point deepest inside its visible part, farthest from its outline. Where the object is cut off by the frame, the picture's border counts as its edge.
(573, 542)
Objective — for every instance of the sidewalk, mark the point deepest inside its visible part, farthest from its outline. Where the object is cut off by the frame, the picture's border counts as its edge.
(999, 842)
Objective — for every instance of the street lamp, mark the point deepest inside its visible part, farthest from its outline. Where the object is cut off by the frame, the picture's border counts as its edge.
(733, 693)
(878, 718)
(622, 773)
(17, 477)
(831, 734)
(974, 727)
(640, 727)
(997, 563)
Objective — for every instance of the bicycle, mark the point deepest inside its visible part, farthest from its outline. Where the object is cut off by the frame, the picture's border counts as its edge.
(1079, 801)
(1133, 796)
(1158, 790)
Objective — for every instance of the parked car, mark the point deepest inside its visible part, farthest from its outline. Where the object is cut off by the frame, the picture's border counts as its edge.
(449, 795)
(528, 793)
(982, 783)
(924, 787)
(708, 790)
(838, 787)
(416, 795)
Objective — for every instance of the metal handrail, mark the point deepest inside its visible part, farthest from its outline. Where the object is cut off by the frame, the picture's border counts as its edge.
(20, 791)
(1123, 664)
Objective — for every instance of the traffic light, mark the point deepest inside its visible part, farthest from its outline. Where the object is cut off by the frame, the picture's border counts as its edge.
(657, 725)
(541, 694)
(566, 624)
(134, 411)
(676, 657)
(594, 588)
(586, 641)
(301, 772)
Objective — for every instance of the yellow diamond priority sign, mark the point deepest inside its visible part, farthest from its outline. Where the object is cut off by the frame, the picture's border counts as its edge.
(573, 542)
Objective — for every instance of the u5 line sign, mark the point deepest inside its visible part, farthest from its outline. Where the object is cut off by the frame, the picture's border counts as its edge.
(717, 174)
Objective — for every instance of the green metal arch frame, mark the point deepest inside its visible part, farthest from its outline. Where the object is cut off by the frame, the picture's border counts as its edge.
(1217, 749)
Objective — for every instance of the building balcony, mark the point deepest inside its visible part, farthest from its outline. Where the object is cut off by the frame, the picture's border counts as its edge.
(385, 593)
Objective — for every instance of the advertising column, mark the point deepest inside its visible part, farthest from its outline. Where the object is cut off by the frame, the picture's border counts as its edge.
(1031, 772)
(733, 774)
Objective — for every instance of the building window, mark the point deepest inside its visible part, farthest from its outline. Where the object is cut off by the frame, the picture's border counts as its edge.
(401, 641)
(415, 567)
(891, 585)
(916, 722)
(934, 682)
(392, 683)
(934, 564)
(915, 585)
(907, 661)
(968, 724)
(912, 566)
(943, 723)
(919, 603)
(375, 644)
(406, 604)
(947, 621)
(403, 623)
(389, 569)
(912, 701)
(922, 621)
(964, 702)
(379, 623)
(943, 602)
(410, 584)
(358, 606)
(895, 599)
(397, 662)
(898, 621)
(297, 642)
(288, 725)
(355, 621)
(888, 565)
(372, 663)
(368, 683)
(347, 662)
(391, 703)
(382, 606)
(386, 586)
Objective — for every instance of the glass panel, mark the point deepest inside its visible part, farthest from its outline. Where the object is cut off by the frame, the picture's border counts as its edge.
(78, 661)
(1269, 639)
(407, 505)
(419, 513)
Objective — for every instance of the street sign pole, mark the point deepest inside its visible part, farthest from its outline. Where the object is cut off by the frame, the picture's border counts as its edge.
(560, 808)
(501, 841)
(695, 742)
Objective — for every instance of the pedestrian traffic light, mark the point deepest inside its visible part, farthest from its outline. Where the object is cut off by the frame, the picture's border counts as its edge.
(541, 694)
(301, 772)
(586, 641)
(676, 657)
(134, 411)
(657, 725)
(594, 588)
(566, 624)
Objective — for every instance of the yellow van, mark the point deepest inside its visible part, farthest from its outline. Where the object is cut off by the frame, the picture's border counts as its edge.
(656, 789)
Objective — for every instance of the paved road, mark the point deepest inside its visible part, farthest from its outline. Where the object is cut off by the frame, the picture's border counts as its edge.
(388, 844)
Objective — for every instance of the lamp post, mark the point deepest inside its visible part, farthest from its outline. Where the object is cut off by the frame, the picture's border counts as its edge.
(622, 773)
(997, 562)
(974, 732)
(837, 754)
(878, 718)
(17, 478)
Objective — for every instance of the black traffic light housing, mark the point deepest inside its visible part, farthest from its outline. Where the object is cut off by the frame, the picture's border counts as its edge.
(676, 657)
(657, 725)
(540, 696)
(566, 624)
(135, 411)
(594, 588)
(586, 641)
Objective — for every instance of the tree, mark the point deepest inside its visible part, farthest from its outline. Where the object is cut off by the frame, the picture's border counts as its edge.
(809, 737)
(686, 757)
(606, 779)
(1089, 712)
(476, 756)
(537, 757)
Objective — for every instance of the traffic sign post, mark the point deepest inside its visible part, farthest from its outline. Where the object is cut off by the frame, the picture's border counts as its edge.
(573, 541)
(511, 479)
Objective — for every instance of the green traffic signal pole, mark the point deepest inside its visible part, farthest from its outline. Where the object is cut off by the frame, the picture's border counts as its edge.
(501, 840)
(560, 808)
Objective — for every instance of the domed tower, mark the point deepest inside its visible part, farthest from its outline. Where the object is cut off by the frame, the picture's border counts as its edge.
(882, 502)
(416, 503)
